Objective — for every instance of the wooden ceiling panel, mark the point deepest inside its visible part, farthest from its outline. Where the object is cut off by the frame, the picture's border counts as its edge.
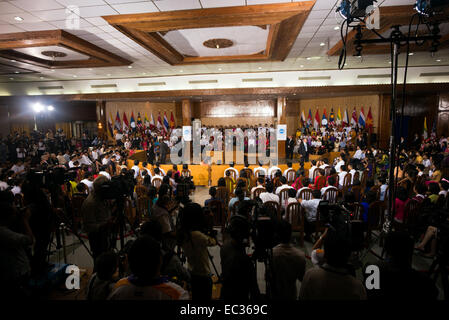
(285, 21)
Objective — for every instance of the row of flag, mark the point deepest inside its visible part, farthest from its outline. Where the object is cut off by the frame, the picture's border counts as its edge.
(425, 133)
(333, 121)
(133, 125)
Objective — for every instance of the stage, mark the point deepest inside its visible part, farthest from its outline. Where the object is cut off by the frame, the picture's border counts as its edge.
(207, 175)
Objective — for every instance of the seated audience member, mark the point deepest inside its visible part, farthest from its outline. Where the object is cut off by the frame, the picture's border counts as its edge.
(288, 265)
(400, 202)
(238, 272)
(260, 181)
(397, 278)
(333, 280)
(284, 185)
(157, 174)
(420, 192)
(330, 184)
(213, 196)
(434, 190)
(161, 171)
(231, 168)
(312, 170)
(272, 170)
(311, 208)
(383, 188)
(239, 196)
(305, 185)
(268, 195)
(102, 281)
(341, 176)
(291, 198)
(145, 281)
(320, 181)
(230, 182)
(289, 166)
(333, 173)
(171, 264)
(262, 170)
(136, 169)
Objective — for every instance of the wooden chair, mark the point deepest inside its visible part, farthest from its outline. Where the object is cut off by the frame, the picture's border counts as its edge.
(141, 191)
(283, 196)
(358, 193)
(185, 173)
(249, 173)
(233, 174)
(346, 183)
(290, 175)
(315, 174)
(356, 176)
(216, 207)
(258, 191)
(230, 185)
(157, 182)
(375, 219)
(411, 215)
(259, 173)
(223, 194)
(143, 203)
(295, 215)
(330, 195)
(327, 171)
(305, 194)
(357, 213)
(364, 178)
(274, 206)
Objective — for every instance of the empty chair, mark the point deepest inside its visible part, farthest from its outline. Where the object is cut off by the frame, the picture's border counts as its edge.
(358, 193)
(283, 196)
(157, 182)
(294, 214)
(274, 207)
(330, 195)
(305, 194)
(357, 213)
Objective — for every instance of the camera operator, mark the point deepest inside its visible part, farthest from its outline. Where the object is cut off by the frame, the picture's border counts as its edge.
(238, 271)
(97, 217)
(194, 242)
(161, 213)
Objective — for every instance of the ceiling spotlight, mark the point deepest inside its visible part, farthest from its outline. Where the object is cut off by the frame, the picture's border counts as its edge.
(90, 69)
(411, 54)
(74, 75)
(308, 58)
(41, 78)
(16, 72)
(37, 107)
(50, 108)
(259, 68)
(52, 70)
(389, 62)
(301, 66)
(322, 44)
(130, 67)
(18, 18)
(337, 28)
(181, 71)
(11, 78)
(219, 69)
(438, 60)
(108, 74)
(13, 60)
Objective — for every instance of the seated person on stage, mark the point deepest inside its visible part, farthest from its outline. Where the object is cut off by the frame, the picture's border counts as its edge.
(260, 168)
(102, 281)
(161, 171)
(272, 170)
(288, 264)
(330, 184)
(213, 196)
(231, 168)
(145, 281)
(269, 195)
(311, 208)
(333, 280)
(260, 184)
(239, 196)
(320, 181)
(284, 185)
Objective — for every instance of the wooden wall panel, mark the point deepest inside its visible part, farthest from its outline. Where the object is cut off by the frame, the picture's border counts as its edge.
(443, 115)
(237, 121)
(149, 107)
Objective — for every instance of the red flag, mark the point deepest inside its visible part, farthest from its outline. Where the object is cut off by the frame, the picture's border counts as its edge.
(159, 123)
(316, 121)
(172, 121)
(369, 119)
(125, 123)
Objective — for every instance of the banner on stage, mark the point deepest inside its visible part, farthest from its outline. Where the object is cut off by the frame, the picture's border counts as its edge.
(187, 133)
(282, 132)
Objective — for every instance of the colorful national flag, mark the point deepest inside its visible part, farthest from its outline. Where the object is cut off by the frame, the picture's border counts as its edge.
(309, 119)
(132, 122)
(316, 121)
(146, 122)
(118, 123)
(172, 121)
(110, 129)
(338, 117)
(362, 119)
(166, 125)
(345, 120)
(332, 118)
(433, 134)
(354, 118)
(159, 122)
(369, 119)
(152, 124)
(425, 134)
(125, 123)
(303, 119)
(139, 121)
(324, 120)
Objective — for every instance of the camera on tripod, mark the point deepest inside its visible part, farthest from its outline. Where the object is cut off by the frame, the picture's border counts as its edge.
(118, 187)
(51, 177)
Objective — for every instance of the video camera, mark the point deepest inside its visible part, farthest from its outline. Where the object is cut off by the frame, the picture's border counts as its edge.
(183, 189)
(51, 177)
(118, 187)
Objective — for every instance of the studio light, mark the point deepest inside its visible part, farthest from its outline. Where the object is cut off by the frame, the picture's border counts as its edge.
(37, 107)
(50, 108)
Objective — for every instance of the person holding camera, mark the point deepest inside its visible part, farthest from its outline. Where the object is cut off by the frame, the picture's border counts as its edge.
(194, 243)
(97, 218)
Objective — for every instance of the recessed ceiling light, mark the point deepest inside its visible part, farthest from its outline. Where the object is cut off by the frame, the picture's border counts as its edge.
(219, 69)
(144, 73)
(181, 71)
(130, 67)
(41, 77)
(438, 60)
(13, 60)
(389, 62)
(74, 75)
(16, 72)
(259, 68)
(322, 44)
(11, 78)
(308, 58)
(18, 18)
(108, 74)
(90, 69)
(337, 28)
(301, 66)
(411, 54)
(52, 70)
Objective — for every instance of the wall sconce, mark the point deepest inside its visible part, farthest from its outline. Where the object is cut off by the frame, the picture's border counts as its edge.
(100, 126)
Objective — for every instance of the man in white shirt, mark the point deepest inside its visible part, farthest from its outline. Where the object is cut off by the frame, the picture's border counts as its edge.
(284, 185)
(311, 206)
(351, 171)
(426, 161)
(103, 172)
(259, 184)
(161, 171)
(311, 170)
(341, 176)
(85, 159)
(331, 184)
(272, 170)
(18, 167)
(95, 154)
(262, 169)
(88, 181)
(289, 166)
(359, 155)
(269, 195)
(136, 168)
(231, 168)
(157, 174)
(144, 168)
(340, 162)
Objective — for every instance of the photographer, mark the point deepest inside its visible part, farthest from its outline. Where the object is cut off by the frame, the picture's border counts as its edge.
(194, 243)
(160, 213)
(97, 218)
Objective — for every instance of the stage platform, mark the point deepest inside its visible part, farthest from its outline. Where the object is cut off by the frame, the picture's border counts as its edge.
(206, 175)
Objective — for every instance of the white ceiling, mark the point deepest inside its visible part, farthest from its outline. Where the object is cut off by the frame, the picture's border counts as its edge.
(318, 29)
(37, 52)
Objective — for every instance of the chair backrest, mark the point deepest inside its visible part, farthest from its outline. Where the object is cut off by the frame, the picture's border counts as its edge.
(376, 216)
(315, 174)
(223, 194)
(290, 175)
(356, 176)
(249, 173)
(277, 182)
(229, 184)
(274, 206)
(217, 209)
(411, 212)
(157, 182)
(305, 194)
(141, 190)
(347, 180)
(259, 173)
(364, 178)
(186, 173)
(233, 174)
(283, 195)
(327, 171)
(258, 191)
(294, 217)
(330, 195)
(357, 212)
(358, 192)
